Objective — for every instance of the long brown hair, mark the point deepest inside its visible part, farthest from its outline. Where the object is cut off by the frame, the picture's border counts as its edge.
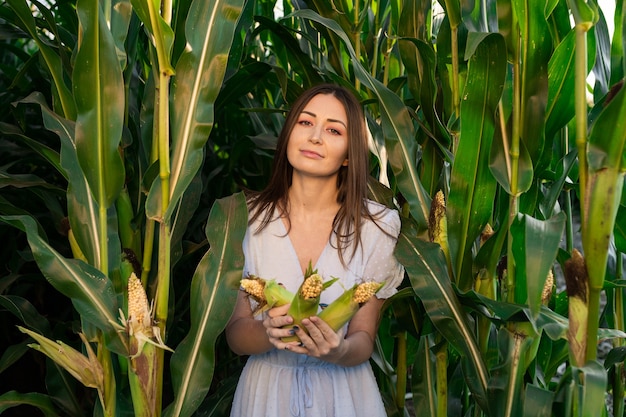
(351, 179)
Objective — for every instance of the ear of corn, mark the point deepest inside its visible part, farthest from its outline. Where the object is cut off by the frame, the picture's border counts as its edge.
(438, 224)
(340, 311)
(306, 301)
(268, 293)
(141, 329)
(577, 287)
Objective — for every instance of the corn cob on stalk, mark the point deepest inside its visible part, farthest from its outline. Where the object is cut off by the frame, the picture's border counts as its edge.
(268, 293)
(340, 311)
(577, 287)
(306, 301)
(438, 226)
(139, 324)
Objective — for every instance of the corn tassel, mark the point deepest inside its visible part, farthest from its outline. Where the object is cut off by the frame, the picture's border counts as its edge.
(340, 311)
(306, 301)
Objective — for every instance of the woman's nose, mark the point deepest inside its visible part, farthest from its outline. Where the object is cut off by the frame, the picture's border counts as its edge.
(316, 135)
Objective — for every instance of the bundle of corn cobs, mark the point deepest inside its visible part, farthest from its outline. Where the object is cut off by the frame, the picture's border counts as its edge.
(305, 303)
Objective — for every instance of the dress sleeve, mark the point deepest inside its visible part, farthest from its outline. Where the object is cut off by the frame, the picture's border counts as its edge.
(380, 261)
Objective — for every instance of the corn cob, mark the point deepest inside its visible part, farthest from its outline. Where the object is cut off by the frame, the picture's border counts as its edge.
(438, 224)
(577, 287)
(268, 293)
(306, 301)
(340, 311)
(547, 288)
(139, 324)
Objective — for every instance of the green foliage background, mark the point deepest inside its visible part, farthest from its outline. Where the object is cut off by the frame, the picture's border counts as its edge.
(129, 128)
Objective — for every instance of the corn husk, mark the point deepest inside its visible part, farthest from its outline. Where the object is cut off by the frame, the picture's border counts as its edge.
(340, 311)
(306, 301)
(267, 293)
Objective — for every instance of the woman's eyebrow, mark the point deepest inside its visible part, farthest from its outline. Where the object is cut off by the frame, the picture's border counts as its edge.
(330, 120)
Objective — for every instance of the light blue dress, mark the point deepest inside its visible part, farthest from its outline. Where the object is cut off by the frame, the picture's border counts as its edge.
(281, 383)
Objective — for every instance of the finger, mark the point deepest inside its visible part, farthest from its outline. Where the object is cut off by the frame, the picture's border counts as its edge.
(323, 328)
(278, 311)
(314, 331)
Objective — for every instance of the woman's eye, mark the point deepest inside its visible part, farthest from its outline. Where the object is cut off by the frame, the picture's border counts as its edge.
(305, 122)
(334, 131)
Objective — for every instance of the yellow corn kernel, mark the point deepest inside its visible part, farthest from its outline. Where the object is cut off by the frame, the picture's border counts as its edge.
(366, 290)
(306, 301)
(547, 288)
(139, 316)
(254, 286)
(312, 287)
(342, 309)
(139, 324)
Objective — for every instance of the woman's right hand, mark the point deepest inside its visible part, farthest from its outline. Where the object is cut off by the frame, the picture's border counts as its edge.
(275, 323)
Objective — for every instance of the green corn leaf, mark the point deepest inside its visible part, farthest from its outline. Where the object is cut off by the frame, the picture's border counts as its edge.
(159, 30)
(287, 47)
(423, 379)
(607, 167)
(507, 376)
(213, 294)
(90, 291)
(535, 246)
(561, 71)
(26, 312)
(53, 61)
(82, 209)
(121, 13)
(472, 187)
(199, 75)
(620, 229)
(99, 94)
(590, 385)
(42, 402)
(584, 11)
(426, 266)
(536, 48)
(46, 152)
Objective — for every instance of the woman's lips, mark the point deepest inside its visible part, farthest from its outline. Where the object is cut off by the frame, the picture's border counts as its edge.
(310, 154)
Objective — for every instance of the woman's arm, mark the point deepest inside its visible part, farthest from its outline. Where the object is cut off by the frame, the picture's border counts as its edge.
(248, 336)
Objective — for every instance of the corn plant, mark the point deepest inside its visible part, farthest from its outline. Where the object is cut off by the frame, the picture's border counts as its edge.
(131, 98)
(506, 162)
(476, 114)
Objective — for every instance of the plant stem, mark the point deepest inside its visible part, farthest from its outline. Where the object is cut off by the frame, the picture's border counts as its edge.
(109, 397)
(401, 372)
(442, 380)
(514, 158)
(618, 380)
(580, 94)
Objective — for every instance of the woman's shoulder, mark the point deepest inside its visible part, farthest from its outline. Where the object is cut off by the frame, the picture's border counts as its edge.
(385, 217)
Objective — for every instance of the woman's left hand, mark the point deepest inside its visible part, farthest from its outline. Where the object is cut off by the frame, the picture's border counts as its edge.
(321, 341)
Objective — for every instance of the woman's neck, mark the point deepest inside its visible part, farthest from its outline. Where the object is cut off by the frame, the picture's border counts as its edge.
(313, 195)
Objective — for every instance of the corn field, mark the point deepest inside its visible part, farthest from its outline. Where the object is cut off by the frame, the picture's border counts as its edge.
(128, 130)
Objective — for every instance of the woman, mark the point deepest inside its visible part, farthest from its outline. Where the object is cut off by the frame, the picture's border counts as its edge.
(315, 210)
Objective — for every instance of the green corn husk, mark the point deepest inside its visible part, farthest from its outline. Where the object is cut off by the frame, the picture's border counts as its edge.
(268, 293)
(306, 301)
(340, 311)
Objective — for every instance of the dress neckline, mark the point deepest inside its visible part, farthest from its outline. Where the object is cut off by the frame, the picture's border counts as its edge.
(294, 253)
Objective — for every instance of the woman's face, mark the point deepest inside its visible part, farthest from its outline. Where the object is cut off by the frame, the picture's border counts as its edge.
(318, 144)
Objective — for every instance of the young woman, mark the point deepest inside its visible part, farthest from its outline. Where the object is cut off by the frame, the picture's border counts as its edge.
(315, 210)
